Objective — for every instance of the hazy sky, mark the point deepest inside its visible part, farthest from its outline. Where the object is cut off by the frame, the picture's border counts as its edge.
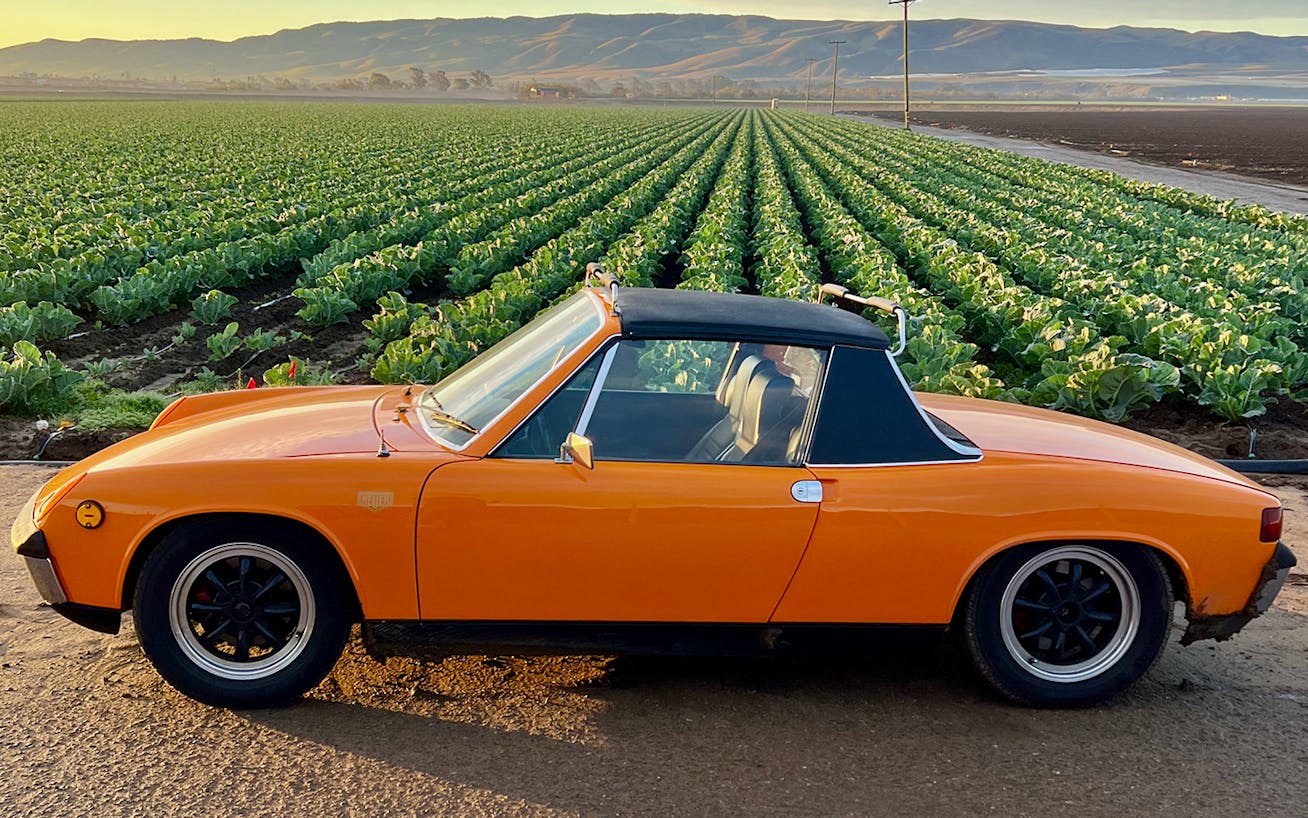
(26, 20)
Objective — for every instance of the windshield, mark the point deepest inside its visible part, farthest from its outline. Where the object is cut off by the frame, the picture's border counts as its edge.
(476, 394)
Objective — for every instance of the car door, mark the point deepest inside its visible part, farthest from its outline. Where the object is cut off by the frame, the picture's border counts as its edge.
(651, 533)
(905, 508)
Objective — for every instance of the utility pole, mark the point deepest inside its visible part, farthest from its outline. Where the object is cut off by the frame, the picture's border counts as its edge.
(714, 82)
(905, 4)
(835, 65)
(808, 89)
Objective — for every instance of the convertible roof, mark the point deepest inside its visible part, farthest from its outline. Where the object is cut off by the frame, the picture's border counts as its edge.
(659, 313)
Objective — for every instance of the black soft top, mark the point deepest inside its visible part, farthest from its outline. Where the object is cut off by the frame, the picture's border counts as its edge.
(659, 313)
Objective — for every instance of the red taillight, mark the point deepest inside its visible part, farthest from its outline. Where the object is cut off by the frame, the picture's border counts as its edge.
(1271, 530)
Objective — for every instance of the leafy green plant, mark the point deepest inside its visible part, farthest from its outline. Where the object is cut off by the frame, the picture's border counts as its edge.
(212, 307)
(683, 366)
(185, 332)
(44, 322)
(32, 382)
(261, 341)
(120, 410)
(324, 307)
(392, 321)
(206, 380)
(104, 367)
(222, 344)
(298, 372)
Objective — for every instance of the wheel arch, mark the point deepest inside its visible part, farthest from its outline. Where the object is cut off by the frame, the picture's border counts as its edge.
(159, 533)
(1175, 568)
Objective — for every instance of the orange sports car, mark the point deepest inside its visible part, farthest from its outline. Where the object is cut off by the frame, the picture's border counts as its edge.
(644, 470)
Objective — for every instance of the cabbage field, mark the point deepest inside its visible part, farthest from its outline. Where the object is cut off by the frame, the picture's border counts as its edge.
(168, 246)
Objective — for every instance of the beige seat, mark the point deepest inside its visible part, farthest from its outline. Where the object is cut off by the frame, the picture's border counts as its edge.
(731, 395)
(771, 415)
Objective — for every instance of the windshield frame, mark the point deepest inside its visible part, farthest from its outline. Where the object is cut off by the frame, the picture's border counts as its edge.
(568, 362)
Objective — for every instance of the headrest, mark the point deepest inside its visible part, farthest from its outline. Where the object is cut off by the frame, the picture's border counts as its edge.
(757, 368)
(770, 402)
(745, 369)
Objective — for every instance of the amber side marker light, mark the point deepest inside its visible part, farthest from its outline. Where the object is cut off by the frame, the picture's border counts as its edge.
(1271, 530)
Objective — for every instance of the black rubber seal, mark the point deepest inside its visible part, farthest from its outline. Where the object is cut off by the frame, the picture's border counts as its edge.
(35, 547)
(1248, 466)
(1284, 557)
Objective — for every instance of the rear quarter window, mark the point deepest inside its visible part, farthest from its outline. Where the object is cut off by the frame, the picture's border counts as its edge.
(867, 417)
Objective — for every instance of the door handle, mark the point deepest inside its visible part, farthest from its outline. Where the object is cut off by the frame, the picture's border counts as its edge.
(807, 491)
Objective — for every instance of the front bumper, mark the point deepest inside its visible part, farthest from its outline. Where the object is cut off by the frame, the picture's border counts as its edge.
(1224, 626)
(29, 542)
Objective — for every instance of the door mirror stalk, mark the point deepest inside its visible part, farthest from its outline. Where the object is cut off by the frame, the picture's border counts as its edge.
(577, 449)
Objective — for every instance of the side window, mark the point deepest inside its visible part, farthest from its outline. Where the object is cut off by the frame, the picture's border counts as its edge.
(682, 366)
(867, 417)
(688, 401)
(543, 433)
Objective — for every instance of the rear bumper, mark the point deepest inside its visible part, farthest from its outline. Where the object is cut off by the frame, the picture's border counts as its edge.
(1224, 626)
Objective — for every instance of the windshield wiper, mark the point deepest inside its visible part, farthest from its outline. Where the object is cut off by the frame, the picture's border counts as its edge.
(439, 414)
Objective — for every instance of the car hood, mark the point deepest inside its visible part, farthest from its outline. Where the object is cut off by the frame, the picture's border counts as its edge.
(249, 427)
(270, 423)
(1006, 427)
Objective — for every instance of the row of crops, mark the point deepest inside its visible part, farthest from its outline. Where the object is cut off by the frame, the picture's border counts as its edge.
(1028, 281)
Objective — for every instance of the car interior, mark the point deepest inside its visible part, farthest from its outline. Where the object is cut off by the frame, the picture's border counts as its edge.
(751, 413)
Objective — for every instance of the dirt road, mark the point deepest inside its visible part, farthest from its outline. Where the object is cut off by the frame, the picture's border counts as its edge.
(87, 728)
(1288, 198)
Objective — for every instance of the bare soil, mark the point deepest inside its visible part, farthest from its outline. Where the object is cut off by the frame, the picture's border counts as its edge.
(87, 727)
(1265, 142)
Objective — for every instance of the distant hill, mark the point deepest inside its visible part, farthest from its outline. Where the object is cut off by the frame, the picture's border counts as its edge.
(657, 46)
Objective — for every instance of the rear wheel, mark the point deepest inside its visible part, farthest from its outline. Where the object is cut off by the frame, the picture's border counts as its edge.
(241, 616)
(1068, 625)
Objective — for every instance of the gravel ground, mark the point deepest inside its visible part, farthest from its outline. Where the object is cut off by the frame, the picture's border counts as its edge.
(86, 727)
(1288, 198)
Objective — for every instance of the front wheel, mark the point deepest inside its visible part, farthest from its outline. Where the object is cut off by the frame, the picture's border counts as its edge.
(1068, 625)
(240, 615)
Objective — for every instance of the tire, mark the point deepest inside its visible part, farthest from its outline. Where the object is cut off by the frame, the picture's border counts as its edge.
(1068, 625)
(241, 615)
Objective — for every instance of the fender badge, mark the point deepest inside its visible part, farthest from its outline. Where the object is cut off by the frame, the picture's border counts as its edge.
(90, 514)
(376, 500)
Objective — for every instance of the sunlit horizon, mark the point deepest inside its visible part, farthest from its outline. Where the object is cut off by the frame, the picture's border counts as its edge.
(160, 19)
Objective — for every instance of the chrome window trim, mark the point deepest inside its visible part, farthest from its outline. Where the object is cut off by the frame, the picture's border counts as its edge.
(609, 349)
(583, 421)
(973, 454)
(894, 463)
(602, 350)
(967, 451)
(599, 308)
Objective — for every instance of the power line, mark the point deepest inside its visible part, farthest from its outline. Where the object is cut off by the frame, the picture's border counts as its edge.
(905, 4)
(835, 65)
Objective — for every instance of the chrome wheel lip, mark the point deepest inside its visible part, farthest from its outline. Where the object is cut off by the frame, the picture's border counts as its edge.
(261, 667)
(1111, 653)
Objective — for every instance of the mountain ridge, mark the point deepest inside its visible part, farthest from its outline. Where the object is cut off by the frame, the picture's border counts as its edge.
(657, 46)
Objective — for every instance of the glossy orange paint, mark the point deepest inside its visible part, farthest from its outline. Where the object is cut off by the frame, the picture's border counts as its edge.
(300, 454)
(625, 542)
(307, 454)
(442, 534)
(898, 544)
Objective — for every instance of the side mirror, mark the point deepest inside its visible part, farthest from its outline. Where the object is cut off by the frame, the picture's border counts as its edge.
(577, 449)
